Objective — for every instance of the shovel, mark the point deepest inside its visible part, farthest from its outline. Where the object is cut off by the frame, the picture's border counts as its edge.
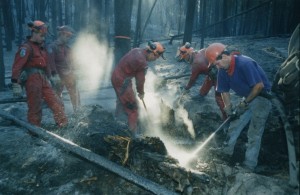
(144, 104)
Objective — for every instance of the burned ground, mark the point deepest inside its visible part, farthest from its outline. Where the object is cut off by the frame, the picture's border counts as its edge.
(33, 165)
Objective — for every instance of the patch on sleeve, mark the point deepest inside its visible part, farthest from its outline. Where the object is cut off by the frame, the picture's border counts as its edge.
(23, 52)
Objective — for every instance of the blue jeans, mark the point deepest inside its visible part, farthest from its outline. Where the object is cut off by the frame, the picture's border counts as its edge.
(257, 114)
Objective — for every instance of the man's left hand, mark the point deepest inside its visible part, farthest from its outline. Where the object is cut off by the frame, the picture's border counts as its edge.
(17, 90)
(213, 72)
(55, 81)
(241, 108)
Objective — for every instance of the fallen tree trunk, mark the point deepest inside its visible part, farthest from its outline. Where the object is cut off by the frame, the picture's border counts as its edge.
(15, 100)
(12, 100)
(290, 143)
(90, 156)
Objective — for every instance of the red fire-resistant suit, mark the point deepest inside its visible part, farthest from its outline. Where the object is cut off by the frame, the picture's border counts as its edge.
(59, 55)
(32, 58)
(133, 64)
(200, 66)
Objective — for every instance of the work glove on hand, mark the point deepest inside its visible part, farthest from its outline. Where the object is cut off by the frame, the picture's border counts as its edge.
(17, 90)
(141, 96)
(55, 81)
(230, 111)
(213, 72)
(241, 108)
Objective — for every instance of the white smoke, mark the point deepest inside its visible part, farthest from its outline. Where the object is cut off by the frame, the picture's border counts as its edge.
(93, 61)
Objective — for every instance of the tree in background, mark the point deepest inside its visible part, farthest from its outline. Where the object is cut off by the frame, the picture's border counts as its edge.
(123, 11)
(189, 21)
(8, 24)
(20, 11)
(2, 68)
(216, 18)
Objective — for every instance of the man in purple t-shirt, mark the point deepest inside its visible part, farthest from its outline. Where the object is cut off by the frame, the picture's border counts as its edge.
(248, 80)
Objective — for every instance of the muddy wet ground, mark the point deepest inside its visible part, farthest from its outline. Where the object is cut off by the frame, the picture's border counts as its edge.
(33, 165)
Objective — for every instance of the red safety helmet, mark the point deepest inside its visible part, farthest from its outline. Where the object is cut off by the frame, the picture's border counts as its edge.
(184, 52)
(38, 26)
(213, 51)
(157, 48)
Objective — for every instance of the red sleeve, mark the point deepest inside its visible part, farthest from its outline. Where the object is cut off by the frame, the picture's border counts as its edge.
(199, 66)
(20, 60)
(197, 69)
(140, 77)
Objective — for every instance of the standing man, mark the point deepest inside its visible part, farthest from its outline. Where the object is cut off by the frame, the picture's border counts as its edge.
(31, 68)
(248, 80)
(199, 66)
(59, 52)
(133, 64)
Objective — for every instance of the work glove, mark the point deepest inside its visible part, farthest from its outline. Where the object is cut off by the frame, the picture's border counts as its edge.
(17, 90)
(213, 72)
(241, 108)
(55, 81)
(230, 111)
(141, 96)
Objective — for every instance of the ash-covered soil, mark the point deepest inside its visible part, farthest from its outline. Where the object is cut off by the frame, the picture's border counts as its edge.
(172, 129)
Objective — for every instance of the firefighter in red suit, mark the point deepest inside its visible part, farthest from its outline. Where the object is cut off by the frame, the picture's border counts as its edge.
(60, 59)
(199, 65)
(31, 69)
(133, 65)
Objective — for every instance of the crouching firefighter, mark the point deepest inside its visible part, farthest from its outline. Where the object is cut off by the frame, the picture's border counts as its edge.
(31, 65)
(248, 80)
(133, 65)
(199, 65)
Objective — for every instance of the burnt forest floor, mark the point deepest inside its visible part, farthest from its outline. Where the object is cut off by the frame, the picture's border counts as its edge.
(173, 126)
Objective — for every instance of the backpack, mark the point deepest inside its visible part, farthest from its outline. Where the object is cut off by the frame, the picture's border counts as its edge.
(289, 70)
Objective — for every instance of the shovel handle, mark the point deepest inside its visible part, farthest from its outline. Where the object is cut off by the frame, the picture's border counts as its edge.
(144, 104)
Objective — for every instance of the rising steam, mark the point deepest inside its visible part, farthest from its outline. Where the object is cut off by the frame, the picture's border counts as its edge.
(93, 61)
(153, 117)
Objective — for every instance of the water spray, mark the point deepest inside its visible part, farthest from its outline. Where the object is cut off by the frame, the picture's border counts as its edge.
(195, 152)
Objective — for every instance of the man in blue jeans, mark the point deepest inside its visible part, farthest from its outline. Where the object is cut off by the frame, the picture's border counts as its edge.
(249, 81)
